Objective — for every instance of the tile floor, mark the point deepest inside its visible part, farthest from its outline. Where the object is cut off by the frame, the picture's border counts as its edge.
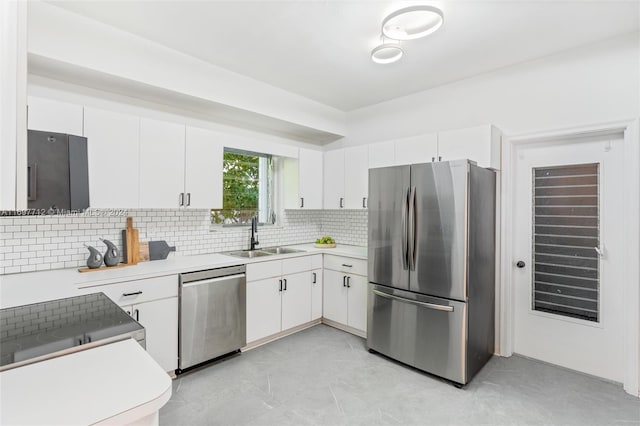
(323, 376)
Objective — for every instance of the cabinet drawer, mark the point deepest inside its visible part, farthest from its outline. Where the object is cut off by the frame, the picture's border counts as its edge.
(346, 264)
(138, 291)
(261, 270)
(316, 261)
(296, 264)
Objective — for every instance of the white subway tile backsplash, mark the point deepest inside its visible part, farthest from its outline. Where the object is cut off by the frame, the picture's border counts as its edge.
(55, 242)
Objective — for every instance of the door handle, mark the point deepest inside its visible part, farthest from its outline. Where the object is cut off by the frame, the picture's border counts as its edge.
(415, 302)
(405, 231)
(314, 278)
(32, 176)
(520, 264)
(412, 229)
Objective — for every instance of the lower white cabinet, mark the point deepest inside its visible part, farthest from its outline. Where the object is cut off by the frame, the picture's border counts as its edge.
(279, 296)
(160, 321)
(345, 297)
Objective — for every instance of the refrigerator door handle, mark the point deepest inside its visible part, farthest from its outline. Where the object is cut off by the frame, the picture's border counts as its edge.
(405, 231)
(445, 308)
(412, 229)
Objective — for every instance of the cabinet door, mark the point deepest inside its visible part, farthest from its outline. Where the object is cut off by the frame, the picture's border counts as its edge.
(264, 308)
(357, 302)
(334, 301)
(54, 116)
(161, 163)
(203, 169)
(334, 179)
(160, 321)
(417, 149)
(310, 178)
(382, 154)
(356, 176)
(316, 294)
(113, 151)
(296, 300)
(480, 144)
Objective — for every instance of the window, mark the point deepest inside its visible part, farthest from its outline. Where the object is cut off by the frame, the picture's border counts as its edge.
(247, 188)
(566, 241)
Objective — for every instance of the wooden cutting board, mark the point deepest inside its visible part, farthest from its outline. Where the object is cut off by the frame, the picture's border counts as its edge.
(144, 251)
(130, 243)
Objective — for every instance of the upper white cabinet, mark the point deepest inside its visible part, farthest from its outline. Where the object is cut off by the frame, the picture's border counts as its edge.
(382, 154)
(416, 149)
(480, 144)
(203, 169)
(356, 177)
(113, 151)
(334, 179)
(161, 164)
(303, 180)
(54, 116)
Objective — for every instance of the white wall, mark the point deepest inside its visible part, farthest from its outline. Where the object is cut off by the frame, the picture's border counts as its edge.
(60, 35)
(592, 84)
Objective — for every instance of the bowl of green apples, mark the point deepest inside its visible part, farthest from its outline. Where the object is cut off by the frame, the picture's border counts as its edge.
(325, 242)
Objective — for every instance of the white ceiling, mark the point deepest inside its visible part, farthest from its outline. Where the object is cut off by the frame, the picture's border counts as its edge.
(320, 49)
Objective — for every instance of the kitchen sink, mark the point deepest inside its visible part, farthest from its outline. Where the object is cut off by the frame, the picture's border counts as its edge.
(281, 250)
(250, 254)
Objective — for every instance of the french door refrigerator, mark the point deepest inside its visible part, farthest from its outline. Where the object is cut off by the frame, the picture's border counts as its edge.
(431, 266)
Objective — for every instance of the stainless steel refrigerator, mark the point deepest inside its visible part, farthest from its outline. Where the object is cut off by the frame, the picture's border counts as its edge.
(432, 266)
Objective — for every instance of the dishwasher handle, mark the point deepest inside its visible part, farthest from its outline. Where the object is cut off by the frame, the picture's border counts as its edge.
(212, 280)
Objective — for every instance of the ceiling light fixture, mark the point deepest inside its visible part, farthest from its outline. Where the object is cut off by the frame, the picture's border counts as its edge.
(387, 52)
(412, 22)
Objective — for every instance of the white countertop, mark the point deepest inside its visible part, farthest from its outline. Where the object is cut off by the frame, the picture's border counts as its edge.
(34, 287)
(70, 390)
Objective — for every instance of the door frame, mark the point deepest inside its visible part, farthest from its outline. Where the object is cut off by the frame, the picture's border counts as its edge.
(631, 213)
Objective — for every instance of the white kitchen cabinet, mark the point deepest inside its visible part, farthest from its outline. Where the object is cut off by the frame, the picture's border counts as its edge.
(296, 300)
(203, 169)
(335, 304)
(382, 154)
(160, 321)
(113, 154)
(480, 144)
(356, 177)
(345, 293)
(303, 180)
(54, 116)
(316, 294)
(416, 149)
(279, 296)
(161, 164)
(334, 179)
(264, 308)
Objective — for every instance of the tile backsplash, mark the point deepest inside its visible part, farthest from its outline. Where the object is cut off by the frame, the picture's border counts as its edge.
(35, 243)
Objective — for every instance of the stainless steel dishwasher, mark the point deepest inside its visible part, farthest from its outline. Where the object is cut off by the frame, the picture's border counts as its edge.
(212, 314)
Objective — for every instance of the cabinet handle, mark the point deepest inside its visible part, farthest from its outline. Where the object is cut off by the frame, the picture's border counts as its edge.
(341, 202)
(188, 199)
(80, 342)
(301, 202)
(137, 311)
(285, 284)
(280, 285)
(344, 281)
(364, 202)
(433, 159)
(440, 158)
(348, 282)
(135, 293)
(347, 266)
(314, 278)
(181, 199)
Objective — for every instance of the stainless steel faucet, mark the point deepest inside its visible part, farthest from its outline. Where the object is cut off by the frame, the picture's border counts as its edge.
(254, 232)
